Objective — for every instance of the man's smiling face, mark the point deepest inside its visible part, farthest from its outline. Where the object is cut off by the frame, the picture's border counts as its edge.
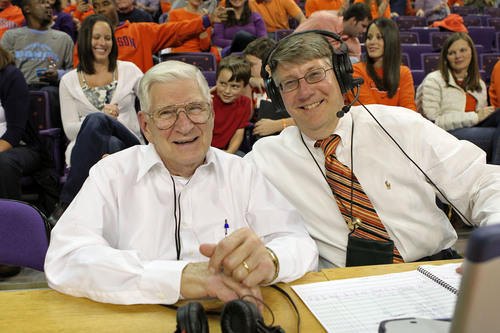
(182, 147)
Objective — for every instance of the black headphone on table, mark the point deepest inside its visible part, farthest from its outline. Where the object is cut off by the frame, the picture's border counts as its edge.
(341, 64)
(238, 316)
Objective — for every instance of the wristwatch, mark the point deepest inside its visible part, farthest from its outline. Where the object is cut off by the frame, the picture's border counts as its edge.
(276, 264)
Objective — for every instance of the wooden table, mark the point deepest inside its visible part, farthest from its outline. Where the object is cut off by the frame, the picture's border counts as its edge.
(46, 310)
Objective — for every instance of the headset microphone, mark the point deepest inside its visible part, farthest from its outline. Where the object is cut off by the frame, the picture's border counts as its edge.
(356, 82)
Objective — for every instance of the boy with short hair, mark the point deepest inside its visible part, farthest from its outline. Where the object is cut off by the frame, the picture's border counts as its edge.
(231, 107)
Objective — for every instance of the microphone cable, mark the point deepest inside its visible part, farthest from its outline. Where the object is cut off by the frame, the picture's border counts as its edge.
(417, 166)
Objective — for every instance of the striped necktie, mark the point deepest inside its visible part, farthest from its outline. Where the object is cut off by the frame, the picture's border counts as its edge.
(345, 186)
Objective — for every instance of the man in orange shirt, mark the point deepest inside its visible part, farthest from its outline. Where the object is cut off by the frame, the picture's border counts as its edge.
(11, 16)
(80, 10)
(494, 90)
(317, 5)
(276, 12)
(349, 26)
(138, 42)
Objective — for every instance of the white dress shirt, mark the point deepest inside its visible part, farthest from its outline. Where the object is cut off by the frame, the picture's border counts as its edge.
(402, 197)
(116, 241)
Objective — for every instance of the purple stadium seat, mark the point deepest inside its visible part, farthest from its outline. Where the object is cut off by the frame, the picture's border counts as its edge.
(424, 33)
(486, 62)
(282, 33)
(52, 139)
(418, 77)
(405, 23)
(211, 77)
(494, 22)
(492, 11)
(405, 60)
(24, 234)
(482, 17)
(483, 36)
(414, 51)
(438, 38)
(430, 62)
(205, 61)
(472, 21)
(409, 37)
(464, 10)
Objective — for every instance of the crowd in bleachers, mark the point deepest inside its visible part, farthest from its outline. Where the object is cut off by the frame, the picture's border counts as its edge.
(48, 38)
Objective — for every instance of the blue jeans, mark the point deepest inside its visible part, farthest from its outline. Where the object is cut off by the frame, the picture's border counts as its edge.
(99, 134)
(485, 135)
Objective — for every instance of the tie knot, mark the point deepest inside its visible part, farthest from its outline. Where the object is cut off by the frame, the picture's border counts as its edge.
(329, 145)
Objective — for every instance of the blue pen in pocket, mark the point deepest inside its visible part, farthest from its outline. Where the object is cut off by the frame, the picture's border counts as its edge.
(226, 226)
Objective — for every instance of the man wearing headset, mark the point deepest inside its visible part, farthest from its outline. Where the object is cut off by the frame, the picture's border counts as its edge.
(309, 81)
(176, 218)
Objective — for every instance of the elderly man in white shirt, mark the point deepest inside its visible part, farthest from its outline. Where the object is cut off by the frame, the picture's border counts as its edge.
(176, 219)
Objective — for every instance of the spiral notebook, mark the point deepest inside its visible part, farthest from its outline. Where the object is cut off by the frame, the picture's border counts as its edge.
(360, 304)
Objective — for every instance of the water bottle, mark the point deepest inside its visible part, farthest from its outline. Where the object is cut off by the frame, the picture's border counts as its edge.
(52, 64)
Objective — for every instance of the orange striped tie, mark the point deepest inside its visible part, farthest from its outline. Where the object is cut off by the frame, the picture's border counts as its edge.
(343, 182)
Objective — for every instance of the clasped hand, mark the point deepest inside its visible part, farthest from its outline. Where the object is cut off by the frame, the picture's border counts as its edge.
(111, 110)
(484, 112)
(225, 275)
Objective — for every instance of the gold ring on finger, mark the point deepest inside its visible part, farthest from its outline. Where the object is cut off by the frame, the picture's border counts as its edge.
(246, 266)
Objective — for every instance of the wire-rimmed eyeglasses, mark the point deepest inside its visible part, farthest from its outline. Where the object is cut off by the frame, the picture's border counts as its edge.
(313, 76)
(165, 117)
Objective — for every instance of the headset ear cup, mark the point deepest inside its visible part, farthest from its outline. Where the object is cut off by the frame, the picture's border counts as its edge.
(274, 94)
(343, 70)
(240, 316)
(191, 318)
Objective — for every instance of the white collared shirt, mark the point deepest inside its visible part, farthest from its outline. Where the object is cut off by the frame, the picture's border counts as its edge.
(115, 243)
(402, 197)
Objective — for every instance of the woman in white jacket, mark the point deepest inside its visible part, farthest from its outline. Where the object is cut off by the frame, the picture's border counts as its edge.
(97, 105)
(455, 98)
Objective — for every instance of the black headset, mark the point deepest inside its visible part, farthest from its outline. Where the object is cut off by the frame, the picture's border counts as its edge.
(238, 316)
(341, 64)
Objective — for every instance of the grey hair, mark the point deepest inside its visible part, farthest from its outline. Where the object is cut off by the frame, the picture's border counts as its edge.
(168, 72)
(300, 48)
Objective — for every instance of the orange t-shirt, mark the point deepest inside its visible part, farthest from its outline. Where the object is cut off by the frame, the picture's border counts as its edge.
(195, 44)
(137, 42)
(369, 93)
(71, 9)
(470, 101)
(374, 8)
(276, 12)
(10, 18)
(494, 91)
(316, 5)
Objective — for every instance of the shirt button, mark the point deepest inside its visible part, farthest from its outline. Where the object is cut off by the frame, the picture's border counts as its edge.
(191, 253)
(161, 296)
(185, 224)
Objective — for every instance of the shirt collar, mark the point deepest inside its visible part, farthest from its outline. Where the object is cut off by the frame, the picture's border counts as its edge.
(343, 130)
(151, 158)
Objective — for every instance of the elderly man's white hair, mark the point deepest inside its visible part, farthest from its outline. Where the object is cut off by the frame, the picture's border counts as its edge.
(168, 72)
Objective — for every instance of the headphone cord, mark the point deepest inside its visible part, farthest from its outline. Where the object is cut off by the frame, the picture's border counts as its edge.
(291, 302)
(418, 167)
(177, 220)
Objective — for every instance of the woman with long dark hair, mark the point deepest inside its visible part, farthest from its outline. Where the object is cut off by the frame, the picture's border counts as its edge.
(97, 105)
(386, 81)
(455, 98)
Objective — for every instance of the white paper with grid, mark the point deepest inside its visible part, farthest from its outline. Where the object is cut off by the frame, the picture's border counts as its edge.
(360, 304)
